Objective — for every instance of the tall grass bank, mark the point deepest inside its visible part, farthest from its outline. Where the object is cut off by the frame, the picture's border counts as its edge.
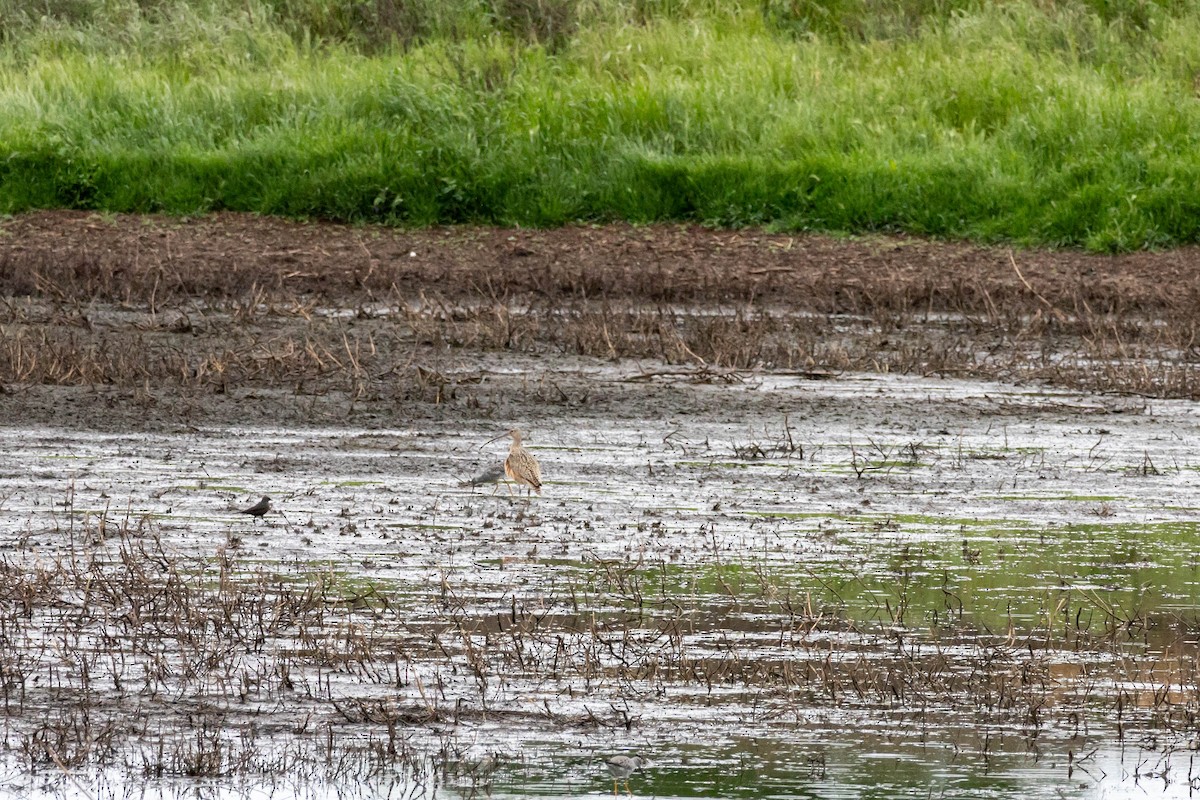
(1071, 123)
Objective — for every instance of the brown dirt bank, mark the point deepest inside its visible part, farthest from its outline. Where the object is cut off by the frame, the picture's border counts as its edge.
(144, 321)
(127, 258)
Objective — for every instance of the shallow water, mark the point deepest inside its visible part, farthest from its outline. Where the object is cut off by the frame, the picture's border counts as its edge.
(861, 587)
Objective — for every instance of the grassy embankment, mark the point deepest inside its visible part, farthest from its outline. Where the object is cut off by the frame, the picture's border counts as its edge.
(1072, 123)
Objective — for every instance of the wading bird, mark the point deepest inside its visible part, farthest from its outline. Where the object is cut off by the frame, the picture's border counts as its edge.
(621, 767)
(521, 466)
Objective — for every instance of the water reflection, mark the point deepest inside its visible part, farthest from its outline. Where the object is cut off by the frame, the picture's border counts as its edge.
(816, 762)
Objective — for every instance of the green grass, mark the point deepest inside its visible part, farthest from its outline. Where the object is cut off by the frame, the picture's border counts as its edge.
(1072, 123)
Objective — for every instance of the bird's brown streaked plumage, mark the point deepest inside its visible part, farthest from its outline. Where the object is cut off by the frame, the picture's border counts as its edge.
(521, 466)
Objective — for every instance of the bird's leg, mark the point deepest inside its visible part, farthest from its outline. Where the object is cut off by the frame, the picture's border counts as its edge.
(627, 789)
(614, 787)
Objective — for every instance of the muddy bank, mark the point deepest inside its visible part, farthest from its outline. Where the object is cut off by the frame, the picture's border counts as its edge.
(80, 256)
(154, 321)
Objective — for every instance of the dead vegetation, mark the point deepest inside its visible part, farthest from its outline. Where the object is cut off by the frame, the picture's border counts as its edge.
(327, 669)
(240, 302)
(400, 348)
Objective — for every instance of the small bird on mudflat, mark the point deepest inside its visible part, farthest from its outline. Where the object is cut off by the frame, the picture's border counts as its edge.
(259, 508)
(490, 475)
(521, 466)
(622, 767)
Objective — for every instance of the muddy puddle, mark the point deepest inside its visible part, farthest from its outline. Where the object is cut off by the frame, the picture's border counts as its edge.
(861, 586)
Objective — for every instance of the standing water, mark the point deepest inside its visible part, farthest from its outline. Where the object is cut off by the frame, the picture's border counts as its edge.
(862, 587)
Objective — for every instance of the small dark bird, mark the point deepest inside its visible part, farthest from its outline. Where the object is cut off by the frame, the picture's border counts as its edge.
(259, 508)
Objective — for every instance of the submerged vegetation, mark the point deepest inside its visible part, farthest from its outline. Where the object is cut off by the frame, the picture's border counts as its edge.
(1071, 123)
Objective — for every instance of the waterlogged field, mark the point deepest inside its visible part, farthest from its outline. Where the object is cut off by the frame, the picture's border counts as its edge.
(861, 586)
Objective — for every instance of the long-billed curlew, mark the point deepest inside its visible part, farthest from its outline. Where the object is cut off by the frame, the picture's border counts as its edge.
(622, 767)
(521, 466)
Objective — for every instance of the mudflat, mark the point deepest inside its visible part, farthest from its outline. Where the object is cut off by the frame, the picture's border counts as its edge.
(847, 517)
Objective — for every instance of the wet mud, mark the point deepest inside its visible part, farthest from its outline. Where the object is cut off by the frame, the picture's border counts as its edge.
(768, 579)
